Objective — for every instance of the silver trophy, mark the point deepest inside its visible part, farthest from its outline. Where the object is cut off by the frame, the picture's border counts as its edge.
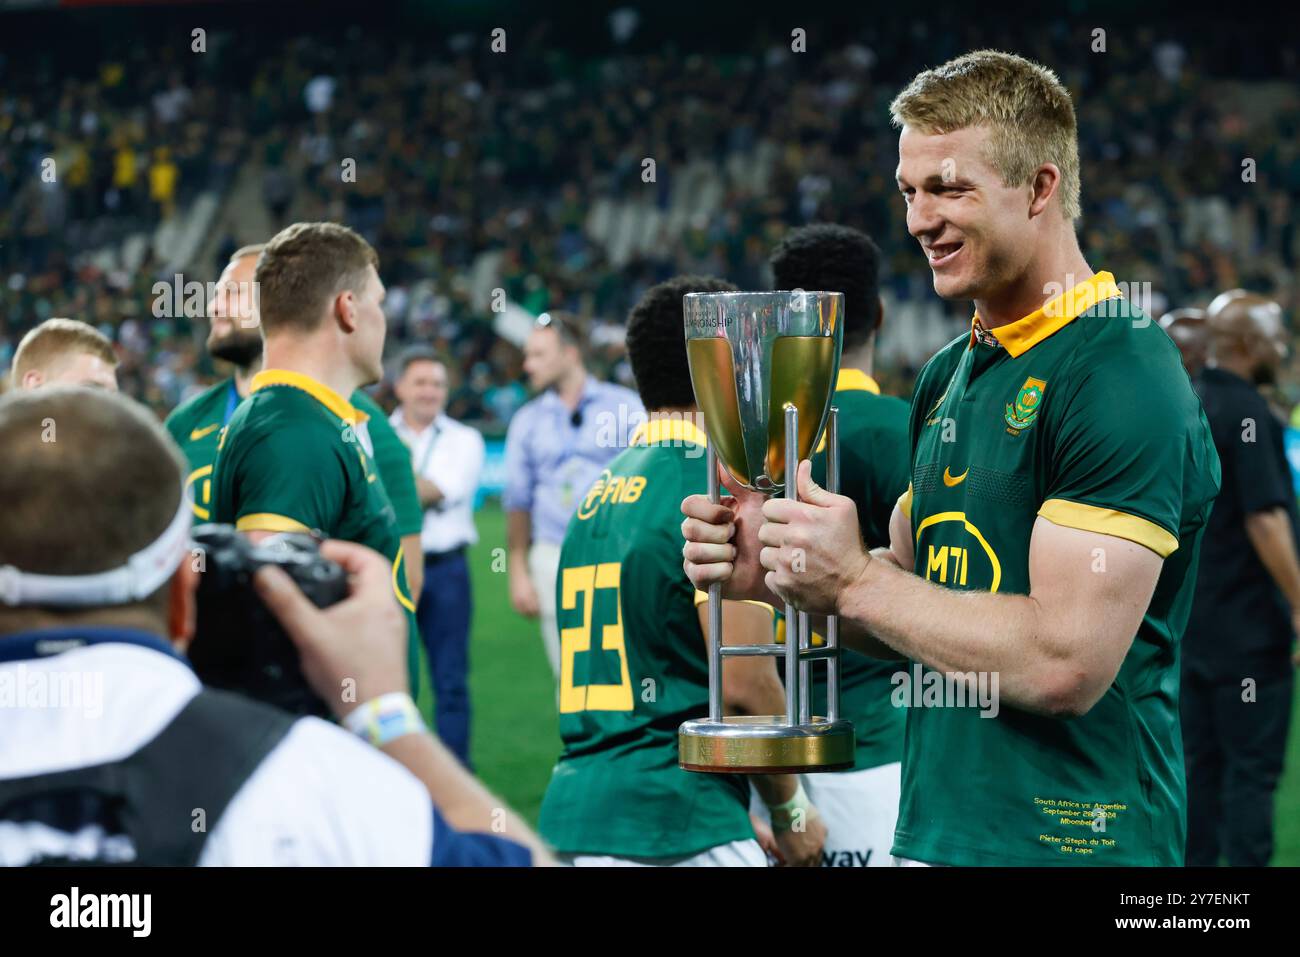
(763, 366)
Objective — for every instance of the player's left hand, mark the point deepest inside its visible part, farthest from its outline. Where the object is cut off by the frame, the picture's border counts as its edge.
(802, 847)
(812, 548)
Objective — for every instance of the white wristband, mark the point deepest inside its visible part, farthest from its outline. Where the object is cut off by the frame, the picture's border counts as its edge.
(797, 809)
(385, 718)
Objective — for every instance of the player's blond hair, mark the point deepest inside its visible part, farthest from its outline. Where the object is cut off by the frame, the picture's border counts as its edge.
(56, 339)
(1027, 110)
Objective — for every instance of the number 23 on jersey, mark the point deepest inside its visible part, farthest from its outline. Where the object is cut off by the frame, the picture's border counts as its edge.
(581, 583)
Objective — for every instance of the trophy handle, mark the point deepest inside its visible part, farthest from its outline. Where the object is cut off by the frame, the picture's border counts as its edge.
(796, 672)
(715, 601)
(833, 621)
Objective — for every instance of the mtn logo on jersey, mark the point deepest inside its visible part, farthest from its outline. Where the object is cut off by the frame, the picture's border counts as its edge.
(956, 553)
(1022, 413)
(623, 489)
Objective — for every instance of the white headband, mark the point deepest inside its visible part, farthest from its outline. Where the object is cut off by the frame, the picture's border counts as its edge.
(142, 575)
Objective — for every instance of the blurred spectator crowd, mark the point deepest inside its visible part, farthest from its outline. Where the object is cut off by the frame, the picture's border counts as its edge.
(475, 171)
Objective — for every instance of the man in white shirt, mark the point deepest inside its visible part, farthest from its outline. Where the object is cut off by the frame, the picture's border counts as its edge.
(448, 458)
(112, 752)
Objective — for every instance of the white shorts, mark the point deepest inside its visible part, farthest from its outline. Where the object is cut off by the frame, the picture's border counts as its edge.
(859, 809)
(544, 569)
(735, 854)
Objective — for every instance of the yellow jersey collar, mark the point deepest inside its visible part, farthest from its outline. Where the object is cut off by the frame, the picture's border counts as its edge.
(1022, 335)
(317, 390)
(855, 380)
(660, 430)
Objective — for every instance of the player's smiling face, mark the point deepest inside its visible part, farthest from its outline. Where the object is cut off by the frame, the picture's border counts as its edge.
(975, 231)
(233, 334)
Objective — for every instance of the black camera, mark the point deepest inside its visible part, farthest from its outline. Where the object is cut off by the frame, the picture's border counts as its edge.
(238, 645)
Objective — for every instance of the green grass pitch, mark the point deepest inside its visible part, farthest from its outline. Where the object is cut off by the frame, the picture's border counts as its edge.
(514, 738)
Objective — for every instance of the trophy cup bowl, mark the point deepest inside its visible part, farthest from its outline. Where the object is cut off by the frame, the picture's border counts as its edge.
(763, 367)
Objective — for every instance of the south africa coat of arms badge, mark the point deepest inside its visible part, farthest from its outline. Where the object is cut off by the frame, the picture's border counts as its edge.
(1023, 411)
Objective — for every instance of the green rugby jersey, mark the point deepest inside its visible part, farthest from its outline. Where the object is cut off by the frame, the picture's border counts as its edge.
(873, 472)
(1080, 413)
(634, 666)
(196, 423)
(292, 458)
(393, 461)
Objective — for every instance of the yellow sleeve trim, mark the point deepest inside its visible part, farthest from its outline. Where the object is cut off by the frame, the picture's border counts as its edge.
(269, 522)
(397, 589)
(817, 640)
(905, 502)
(702, 596)
(1108, 521)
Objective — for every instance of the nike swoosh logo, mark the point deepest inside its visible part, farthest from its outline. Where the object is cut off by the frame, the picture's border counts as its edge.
(196, 434)
(950, 480)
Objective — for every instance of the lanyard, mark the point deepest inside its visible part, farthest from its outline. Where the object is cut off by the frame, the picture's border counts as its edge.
(428, 450)
(232, 400)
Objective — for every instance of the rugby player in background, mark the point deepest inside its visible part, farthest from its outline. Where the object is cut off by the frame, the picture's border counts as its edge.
(296, 455)
(235, 336)
(860, 805)
(64, 352)
(633, 653)
(1062, 475)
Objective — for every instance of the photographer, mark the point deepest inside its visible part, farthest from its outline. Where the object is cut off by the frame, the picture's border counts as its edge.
(114, 753)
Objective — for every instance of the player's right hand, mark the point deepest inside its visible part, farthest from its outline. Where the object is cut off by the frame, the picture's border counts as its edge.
(523, 596)
(802, 847)
(722, 542)
(354, 650)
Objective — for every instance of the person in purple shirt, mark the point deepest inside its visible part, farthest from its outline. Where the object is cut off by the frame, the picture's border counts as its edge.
(556, 446)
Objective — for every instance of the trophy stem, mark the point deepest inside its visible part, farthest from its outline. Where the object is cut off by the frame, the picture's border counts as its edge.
(833, 621)
(805, 670)
(715, 604)
(792, 626)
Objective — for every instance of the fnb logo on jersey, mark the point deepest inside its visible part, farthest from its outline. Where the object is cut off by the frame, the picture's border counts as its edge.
(620, 489)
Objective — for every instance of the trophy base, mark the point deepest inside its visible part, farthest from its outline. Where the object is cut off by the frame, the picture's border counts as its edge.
(764, 744)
